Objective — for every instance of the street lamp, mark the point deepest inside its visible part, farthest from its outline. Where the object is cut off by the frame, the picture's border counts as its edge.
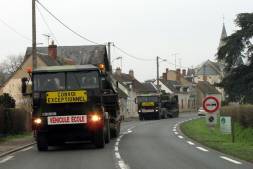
(118, 58)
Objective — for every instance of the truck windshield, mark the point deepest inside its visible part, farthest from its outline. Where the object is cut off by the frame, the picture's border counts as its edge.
(147, 99)
(65, 81)
(82, 80)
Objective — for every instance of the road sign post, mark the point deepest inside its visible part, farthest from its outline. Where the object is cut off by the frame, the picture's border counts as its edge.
(211, 105)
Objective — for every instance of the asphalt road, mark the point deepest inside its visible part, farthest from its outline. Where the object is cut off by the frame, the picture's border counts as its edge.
(142, 145)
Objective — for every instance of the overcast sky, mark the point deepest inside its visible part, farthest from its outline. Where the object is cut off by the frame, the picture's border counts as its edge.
(144, 28)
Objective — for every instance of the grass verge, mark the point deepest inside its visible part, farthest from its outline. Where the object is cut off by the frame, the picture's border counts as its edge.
(242, 148)
(15, 136)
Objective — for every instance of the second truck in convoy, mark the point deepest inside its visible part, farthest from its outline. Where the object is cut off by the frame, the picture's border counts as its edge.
(157, 106)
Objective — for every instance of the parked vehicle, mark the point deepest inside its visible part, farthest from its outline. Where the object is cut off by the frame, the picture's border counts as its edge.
(201, 112)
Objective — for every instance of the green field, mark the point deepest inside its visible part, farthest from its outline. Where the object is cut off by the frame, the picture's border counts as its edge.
(242, 148)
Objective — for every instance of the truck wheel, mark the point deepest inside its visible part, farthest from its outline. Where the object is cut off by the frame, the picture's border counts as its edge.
(158, 117)
(141, 117)
(115, 132)
(99, 139)
(108, 135)
(42, 142)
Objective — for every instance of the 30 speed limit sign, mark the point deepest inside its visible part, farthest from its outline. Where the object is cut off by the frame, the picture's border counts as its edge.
(211, 104)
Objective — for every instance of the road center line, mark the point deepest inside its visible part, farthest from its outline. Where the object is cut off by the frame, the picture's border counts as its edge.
(230, 160)
(6, 159)
(202, 149)
(191, 143)
(176, 133)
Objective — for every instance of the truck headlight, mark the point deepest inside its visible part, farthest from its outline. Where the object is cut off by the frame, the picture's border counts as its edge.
(37, 121)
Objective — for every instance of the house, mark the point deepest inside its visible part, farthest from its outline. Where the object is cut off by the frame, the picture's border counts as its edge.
(173, 82)
(50, 56)
(204, 89)
(134, 88)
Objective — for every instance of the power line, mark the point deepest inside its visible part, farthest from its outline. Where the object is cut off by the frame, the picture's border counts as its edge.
(15, 31)
(67, 27)
(48, 27)
(132, 56)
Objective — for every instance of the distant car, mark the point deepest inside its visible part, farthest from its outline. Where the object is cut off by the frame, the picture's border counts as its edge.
(201, 112)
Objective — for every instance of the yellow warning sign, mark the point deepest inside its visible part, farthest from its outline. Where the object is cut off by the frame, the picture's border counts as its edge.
(148, 104)
(67, 97)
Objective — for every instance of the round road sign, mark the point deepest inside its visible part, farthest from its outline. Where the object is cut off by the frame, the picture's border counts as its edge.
(211, 104)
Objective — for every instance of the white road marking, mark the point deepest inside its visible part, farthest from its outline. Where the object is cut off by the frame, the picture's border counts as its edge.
(28, 148)
(230, 160)
(120, 162)
(202, 149)
(117, 155)
(6, 159)
(191, 143)
(176, 133)
(122, 165)
(174, 130)
(181, 137)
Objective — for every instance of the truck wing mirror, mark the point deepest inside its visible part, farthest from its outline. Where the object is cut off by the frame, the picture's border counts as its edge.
(26, 87)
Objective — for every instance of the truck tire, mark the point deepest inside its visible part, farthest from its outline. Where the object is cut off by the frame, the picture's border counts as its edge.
(42, 142)
(141, 117)
(108, 134)
(115, 132)
(99, 139)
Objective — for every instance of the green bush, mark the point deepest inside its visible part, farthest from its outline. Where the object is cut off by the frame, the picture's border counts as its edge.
(7, 101)
(240, 113)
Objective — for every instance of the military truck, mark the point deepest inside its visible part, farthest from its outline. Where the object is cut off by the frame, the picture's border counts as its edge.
(148, 106)
(169, 105)
(74, 103)
(157, 106)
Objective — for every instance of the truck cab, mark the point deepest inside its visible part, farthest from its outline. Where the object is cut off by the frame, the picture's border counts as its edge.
(148, 106)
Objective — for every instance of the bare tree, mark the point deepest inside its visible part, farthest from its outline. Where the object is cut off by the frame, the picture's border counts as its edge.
(11, 64)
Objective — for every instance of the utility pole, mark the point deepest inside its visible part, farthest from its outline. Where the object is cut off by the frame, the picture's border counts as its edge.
(109, 52)
(157, 74)
(34, 51)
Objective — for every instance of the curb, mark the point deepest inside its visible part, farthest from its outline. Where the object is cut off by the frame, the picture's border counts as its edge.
(16, 149)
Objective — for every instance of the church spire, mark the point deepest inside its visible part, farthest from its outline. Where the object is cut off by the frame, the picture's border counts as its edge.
(223, 35)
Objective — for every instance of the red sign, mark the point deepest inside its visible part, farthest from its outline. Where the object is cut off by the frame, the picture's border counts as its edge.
(75, 119)
(211, 104)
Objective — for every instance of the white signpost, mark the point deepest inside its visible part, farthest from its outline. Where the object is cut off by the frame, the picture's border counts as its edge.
(225, 124)
(211, 105)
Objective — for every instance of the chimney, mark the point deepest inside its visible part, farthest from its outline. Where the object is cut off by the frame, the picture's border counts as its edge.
(165, 76)
(204, 77)
(52, 51)
(118, 71)
(184, 73)
(178, 74)
(167, 70)
(131, 73)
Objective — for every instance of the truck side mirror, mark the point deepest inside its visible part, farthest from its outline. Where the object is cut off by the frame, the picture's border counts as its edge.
(24, 85)
(26, 88)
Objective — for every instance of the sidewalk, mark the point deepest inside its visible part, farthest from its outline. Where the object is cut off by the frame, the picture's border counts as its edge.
(15, 144)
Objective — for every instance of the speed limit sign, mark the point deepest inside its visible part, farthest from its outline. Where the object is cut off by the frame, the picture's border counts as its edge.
(211, 104)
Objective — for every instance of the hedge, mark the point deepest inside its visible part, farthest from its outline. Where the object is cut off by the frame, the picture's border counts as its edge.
(240, 113)
(14, 121)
